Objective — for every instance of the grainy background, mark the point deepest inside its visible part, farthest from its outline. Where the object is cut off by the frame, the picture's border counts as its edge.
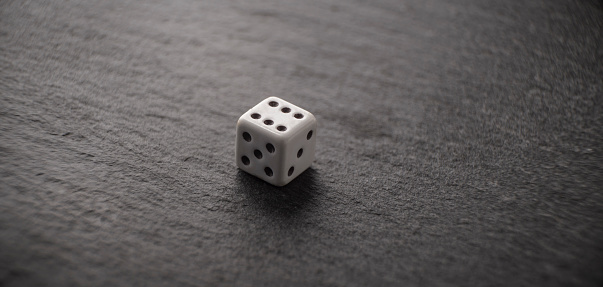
(460, 143)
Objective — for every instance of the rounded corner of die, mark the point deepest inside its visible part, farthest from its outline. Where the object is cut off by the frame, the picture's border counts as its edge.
(273, 98)
(242, 121)
(280, 183)
(310, 116)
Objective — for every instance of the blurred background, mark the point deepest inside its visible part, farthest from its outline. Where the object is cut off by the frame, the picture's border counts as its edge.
(459, 143)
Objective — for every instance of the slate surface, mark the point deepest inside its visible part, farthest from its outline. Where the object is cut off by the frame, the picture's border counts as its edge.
(459, 143)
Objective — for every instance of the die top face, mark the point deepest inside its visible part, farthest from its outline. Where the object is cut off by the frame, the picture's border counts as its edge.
(280, 118)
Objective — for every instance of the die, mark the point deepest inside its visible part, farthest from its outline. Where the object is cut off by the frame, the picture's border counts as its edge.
(275, 141)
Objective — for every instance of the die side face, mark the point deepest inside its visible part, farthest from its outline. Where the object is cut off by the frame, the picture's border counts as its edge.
(258, 152)
(276, 155)
(299, 151)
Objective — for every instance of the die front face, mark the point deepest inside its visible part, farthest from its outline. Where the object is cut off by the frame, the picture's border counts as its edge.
(275, 141)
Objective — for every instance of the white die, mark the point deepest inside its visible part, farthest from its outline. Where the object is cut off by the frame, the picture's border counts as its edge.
(275, 141)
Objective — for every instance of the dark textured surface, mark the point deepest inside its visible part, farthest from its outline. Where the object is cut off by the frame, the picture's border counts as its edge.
(460, 143)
